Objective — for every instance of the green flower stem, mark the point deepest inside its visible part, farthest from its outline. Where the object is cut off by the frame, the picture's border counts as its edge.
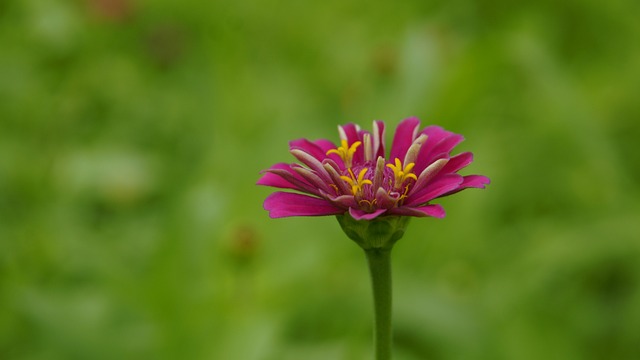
(380, 270)
(377, 238)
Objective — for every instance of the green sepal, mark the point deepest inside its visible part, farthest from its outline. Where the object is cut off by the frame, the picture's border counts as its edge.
(379, 233)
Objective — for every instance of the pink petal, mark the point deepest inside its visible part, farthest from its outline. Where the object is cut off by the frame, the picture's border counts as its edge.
(433, 150)
(435, 134)
(434, 210)
(458, 162)
(386, 200)
(309, 147)
(447, 144)
(282, 176)
(327, 145)
(440, 186)
(475, 181)
(361, 215)
(406, 132)
(349, 132)
(271, 179)
(471, 181)
(342, 201)
(428, 174)
(282, 204)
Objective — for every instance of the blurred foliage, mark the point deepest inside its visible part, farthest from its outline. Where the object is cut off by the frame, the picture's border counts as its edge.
(132, 133)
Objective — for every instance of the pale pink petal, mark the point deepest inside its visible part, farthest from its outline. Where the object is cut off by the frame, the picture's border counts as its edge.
(406, 132)
(312, 163)
(312, 178)
(434, 210)
(282, 204)
(361, 215)
(367, 147)
(378, 139)
(343, 187)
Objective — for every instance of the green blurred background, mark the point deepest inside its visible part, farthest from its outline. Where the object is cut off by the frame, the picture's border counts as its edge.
(132, 134)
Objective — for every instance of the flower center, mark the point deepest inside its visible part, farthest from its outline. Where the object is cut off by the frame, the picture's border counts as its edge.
(387, 187)
(357, 183)
(346, 152)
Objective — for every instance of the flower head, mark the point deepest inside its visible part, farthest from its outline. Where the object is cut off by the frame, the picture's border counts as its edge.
(358, 179)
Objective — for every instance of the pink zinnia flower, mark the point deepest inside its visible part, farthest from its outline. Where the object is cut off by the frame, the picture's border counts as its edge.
(355, 177)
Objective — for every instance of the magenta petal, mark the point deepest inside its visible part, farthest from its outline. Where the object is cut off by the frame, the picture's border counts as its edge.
(286, 172)
(442, 142)
(349, 132)
(283, 204)
(443, 147)
(361, 215)
(458, 162)
(282, 176)
(435, 134)
(434, 210)
(327, 145)
(310, 148)
(447, 144)
(439, 187)
(270, 179)
(475, 181)
(385, 200)
(406, 132)
(471, 181)
(428, 174)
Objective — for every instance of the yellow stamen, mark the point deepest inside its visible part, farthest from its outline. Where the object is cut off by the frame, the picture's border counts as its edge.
(356, 183)
(345, 152)
(402, 173)
(366, 204)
